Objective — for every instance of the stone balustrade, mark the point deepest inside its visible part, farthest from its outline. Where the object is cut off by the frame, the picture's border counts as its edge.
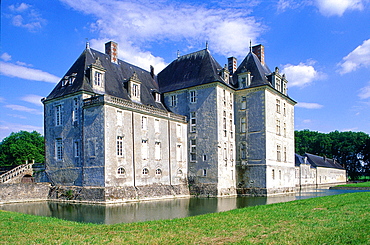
(16, 172)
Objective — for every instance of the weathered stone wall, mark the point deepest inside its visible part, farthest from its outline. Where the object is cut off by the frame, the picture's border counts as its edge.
(24, 192)
(117, 194)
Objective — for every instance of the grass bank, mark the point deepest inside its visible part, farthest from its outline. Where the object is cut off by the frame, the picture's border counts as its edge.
(342, 219)
(361, 184)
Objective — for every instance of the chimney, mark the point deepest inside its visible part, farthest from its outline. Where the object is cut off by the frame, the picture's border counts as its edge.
(232, 63)
(152, 71)
(111, 49)
(259, 50)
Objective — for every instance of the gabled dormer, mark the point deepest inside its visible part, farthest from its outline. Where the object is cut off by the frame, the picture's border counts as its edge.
(278, 81)
(134, 87)
(97, 76)
(225, 74)
(244, 79)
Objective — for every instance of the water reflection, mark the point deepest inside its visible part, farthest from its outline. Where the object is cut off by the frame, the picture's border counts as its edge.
(154, 210)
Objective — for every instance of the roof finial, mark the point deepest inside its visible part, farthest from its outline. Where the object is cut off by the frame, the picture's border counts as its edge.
(178, 53)
(87, 43)
(250, 45)
(206, 45)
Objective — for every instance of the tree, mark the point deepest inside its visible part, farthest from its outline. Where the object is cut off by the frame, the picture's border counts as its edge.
(21, 146)
(351, 149)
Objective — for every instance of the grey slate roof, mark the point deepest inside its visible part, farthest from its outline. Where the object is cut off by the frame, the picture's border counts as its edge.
(190, 70)
(317, 161)
(116, 79)
(258, 71)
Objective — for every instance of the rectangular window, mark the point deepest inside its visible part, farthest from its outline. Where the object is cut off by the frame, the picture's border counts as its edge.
(98, 79)
(193, 96)
(231, 152)
(277, 106)
(58, 115)
(157, 151)
(59, 149)
(119, 146)
(193, 122)
(204, 172)
(284, 110)
(243, 125)
(157, 97)
(75, 110)
(135, 91)
(144, 123)
(243, 151)
(119, 118)
(76, 148)
(156, 125)
(278, 127)
(144, 149)
(173, 100)
(244, 103)
(179, 153)
(278, 84)
(178, 131)
(278, 153)
(285, 154)
(284, 129)
(225, 151)
(193, 150)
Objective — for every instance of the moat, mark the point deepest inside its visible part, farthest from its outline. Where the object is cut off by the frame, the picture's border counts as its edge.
(154, 210)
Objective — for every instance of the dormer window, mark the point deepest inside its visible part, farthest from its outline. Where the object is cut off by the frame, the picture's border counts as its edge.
(98, 79)
(134, 87)
(157, 97)
(244, 79)
(97, 76)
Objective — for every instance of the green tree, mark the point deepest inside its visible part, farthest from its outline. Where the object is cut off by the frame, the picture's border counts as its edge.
(351, 149)
(21, 146)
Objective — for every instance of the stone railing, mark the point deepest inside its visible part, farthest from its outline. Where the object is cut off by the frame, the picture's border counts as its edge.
(132, 105)
(16, 172)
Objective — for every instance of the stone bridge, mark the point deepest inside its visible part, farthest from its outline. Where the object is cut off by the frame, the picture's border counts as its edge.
(20, 174)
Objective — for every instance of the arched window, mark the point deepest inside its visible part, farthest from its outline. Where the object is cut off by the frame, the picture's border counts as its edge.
(158, 171)
(121, 171)
(179, 172)
(145, 171)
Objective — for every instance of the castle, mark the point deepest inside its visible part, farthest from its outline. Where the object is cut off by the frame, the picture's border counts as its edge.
(195, 128)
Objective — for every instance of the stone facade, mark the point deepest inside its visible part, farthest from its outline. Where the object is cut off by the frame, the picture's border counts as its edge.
(196, 128)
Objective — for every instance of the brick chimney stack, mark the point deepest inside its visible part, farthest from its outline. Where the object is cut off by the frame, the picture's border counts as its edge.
(111, 49)
(232, 64)
(259, 50)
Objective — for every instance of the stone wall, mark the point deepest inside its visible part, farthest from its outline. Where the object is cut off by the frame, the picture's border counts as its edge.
(24, 192)
(117, 194)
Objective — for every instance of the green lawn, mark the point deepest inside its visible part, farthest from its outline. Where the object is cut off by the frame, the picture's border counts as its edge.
(361, 184)
(342, 219)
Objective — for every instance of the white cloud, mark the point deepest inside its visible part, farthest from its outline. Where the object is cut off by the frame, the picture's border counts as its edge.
(12, 70)
(24, 109)
(136, 24)
(26, 16)
(302, 74)
(309, 105)
(360, 57)
(17, 116)
(365, 92)
(306, 121)
(6, 57)
(6, 128)
(338, 7)
(32, 98)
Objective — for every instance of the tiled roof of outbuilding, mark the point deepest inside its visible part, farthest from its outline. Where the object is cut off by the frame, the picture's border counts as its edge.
(116, 78)
(190, 70)
(317, 161)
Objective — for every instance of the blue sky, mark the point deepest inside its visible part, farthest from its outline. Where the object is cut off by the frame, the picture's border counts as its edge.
(323, 47)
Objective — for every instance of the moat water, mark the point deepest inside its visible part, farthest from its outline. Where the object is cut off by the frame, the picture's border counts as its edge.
(154, 210)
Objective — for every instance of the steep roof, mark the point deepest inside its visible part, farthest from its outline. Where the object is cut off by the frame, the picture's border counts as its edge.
(258, 71)
(116, 78)
(317, 161)
(190, 70)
